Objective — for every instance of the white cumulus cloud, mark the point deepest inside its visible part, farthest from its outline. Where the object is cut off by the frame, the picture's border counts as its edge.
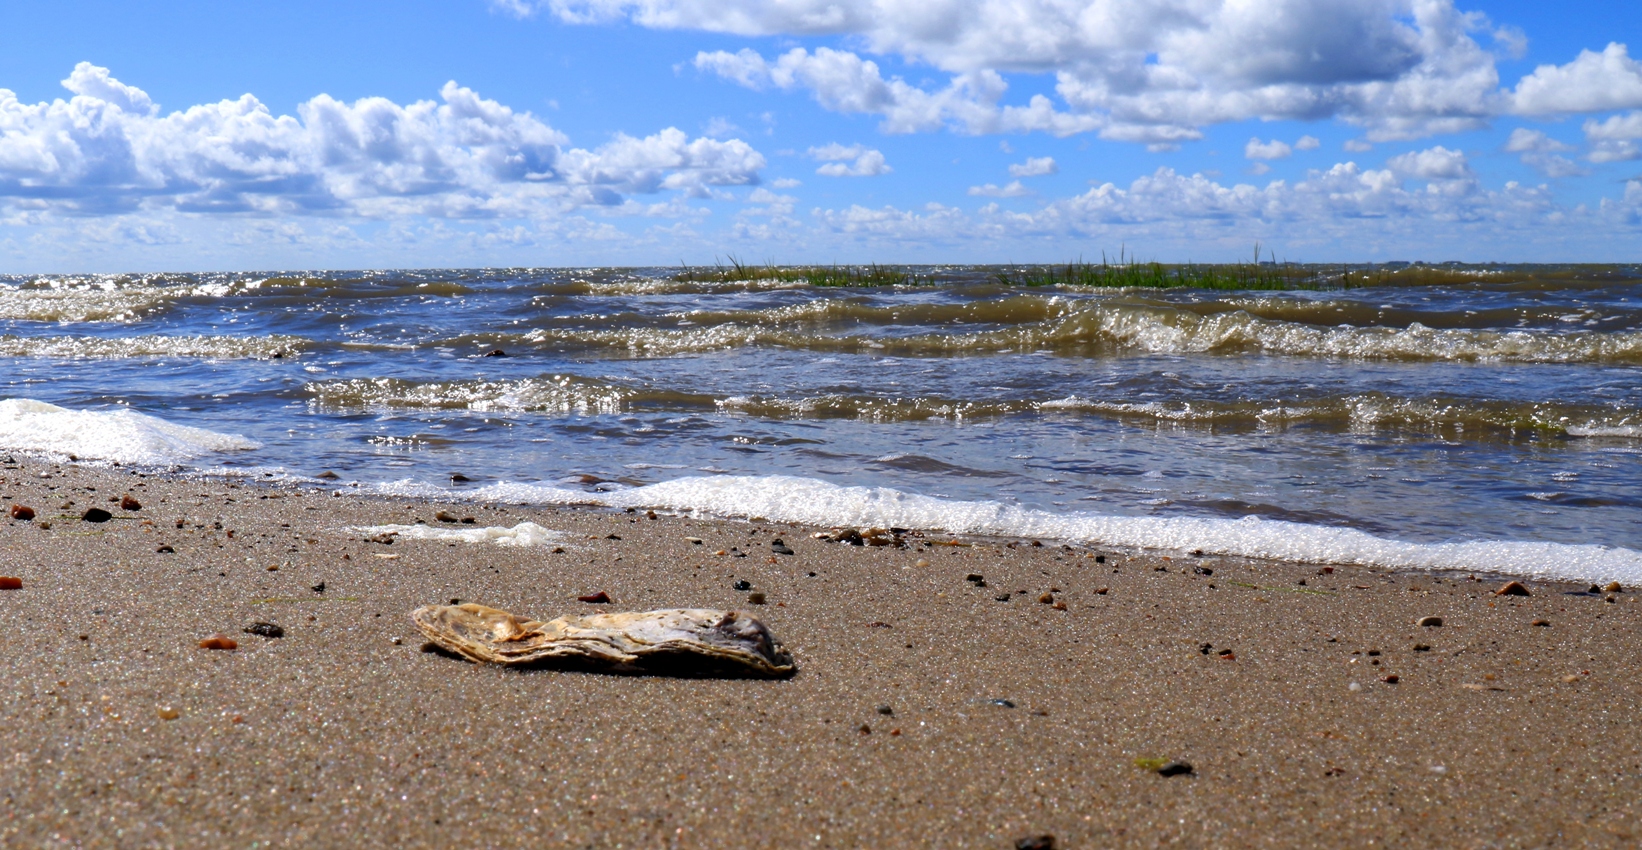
(1013, 189)
(1593, 82)
(1615, 139)
(1034, 166)
(1438, 163)
(849, 161)
(1273, 149)
(109, 150)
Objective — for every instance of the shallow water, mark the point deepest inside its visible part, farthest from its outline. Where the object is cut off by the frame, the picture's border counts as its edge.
(1505, 405)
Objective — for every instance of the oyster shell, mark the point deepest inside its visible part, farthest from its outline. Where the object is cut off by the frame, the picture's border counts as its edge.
(677, 641)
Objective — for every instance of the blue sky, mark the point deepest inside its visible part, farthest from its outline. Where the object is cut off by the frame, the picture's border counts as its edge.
(621, 132)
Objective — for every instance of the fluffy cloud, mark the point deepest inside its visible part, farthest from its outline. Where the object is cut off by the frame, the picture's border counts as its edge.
(1149, 71)
(1542, 153)
(850, 161)
(1593, 82)
(109, 150)
(1438, 163)
(1273, 149)
(1308, 143)
(1616, 139)
(1013, 189)
(1034, 166)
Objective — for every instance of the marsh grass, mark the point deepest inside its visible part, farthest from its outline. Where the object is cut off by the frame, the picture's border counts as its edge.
(1127, 271)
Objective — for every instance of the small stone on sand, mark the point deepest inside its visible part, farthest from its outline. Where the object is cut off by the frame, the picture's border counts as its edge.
(1513, 588)
(219, 641)
(22, 512)
(600, 598)
(1175, 768)
(127, 503)
(743, 584)
(168, 713)
(1614, 587)
(755, 598)
(1035, 842)
(267, 630)
(1047, 598)
(10, 583)
(96, 515)
(1541, 623)
(1429, 622)
(446, 516)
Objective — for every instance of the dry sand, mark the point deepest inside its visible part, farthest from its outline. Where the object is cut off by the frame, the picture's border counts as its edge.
(926, 713)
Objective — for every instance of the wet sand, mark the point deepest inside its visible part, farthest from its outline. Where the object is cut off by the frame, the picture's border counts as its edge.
(926, 712)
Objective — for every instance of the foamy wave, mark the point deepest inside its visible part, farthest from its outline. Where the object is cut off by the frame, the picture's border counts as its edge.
(71, 306)
(523, 535)
(125, 436)
(207, 347)
(812, 502)
(556, 394)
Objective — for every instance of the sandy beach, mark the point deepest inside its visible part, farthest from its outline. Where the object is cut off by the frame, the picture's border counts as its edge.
(929, 710)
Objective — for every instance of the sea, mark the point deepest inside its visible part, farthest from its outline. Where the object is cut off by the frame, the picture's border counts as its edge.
(1481, 419)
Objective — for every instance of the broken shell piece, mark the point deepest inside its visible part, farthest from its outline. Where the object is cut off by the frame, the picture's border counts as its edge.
(674, 641)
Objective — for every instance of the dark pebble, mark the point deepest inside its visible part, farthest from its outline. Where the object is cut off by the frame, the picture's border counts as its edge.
(165, 550)
(1002, 597)
(743, 584)
(1175, 768)
(22, 512)
(96, 515)
(319, 588)
(495, 352)
(1003, 703)
(1430, 622)
(977, 578)
(447, 516)
(459, 478)
(129, 504)
(1035, 842)
(1100, 559)
(267, 630)
(599, 598)
(1541, 623)
(780, 548)
(755, 598)
(327, 475)
(886, 711)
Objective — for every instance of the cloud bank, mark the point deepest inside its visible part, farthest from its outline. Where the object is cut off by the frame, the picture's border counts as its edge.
(109, 150)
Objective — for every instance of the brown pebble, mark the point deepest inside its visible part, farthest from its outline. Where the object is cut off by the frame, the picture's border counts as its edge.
(10, 583)
(164, 550)
(22, 512)
(1429, 622)
(1059, 605)
(1102, 591)
(755, 598)
(168, 713)
(1390, 679)
(1614, 587)
(1540, 623)
(865, 729)
(96, 515)
(446, 516)
(219, 641)
(1047, 598)
(43, 524)
(599, 598)
(127, 503)
(1513, 588)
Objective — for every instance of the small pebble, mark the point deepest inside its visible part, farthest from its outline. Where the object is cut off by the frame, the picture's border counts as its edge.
(1059, 605)
(1614, 587)
(22, 512)
(127, 503)
(694, 541)
(743, 584)
(447, 516)
(1390, 679)
(780, 548)
(755, 598)
(1035, 842)
(1541, 623)
(1175, 768)
(11, 583)
(599, 598)
(974, 578)
(922, 562)
(886, 711)
(1354, 687)
(168, 713)
(1047, 598)
(319, 588)
(1429, 622)
(865, 729)
(1002, 597)
(1513, 588)
(267, 630)
(219, 641)
(96, 515)
(164, 550)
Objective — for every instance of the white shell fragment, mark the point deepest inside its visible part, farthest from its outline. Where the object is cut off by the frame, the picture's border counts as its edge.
(678, 641)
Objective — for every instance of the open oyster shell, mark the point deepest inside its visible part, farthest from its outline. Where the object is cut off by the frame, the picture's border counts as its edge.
(678, 641)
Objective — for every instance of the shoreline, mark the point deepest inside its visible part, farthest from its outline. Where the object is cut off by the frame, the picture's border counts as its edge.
(1006, 719)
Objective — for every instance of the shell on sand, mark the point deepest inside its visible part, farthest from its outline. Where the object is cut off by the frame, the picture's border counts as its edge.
(679, 641)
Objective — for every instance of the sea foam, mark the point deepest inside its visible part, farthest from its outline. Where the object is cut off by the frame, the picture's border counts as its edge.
(125, 436)
(813, 502)
(525, 534)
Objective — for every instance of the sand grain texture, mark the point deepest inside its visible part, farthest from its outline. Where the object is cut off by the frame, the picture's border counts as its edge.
(1006, 719)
